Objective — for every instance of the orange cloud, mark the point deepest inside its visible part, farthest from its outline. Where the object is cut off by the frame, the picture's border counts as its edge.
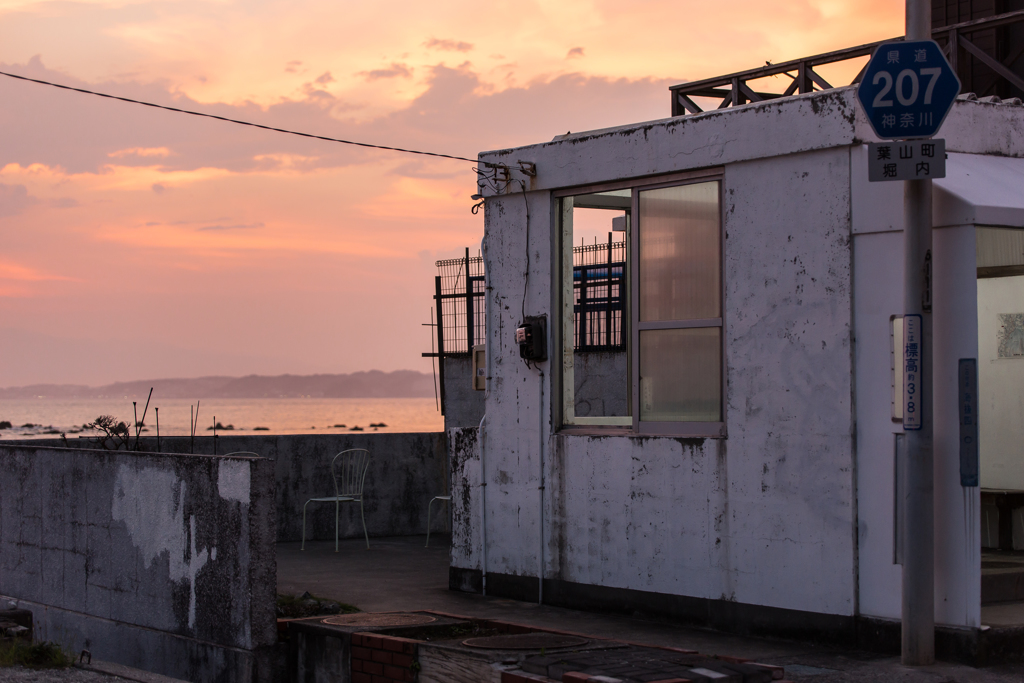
(448, 45)
(14, 271)
(200, 225)
(140, 152)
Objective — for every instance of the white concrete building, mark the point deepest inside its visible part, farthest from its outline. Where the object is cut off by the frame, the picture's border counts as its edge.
(749, 483)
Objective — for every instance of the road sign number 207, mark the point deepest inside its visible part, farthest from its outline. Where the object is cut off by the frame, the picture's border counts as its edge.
(906, 88)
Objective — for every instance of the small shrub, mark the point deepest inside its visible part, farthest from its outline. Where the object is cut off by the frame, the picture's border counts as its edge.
(29, 425)
(34, 655)
(306, 605)
(261, 429)
(114, 432)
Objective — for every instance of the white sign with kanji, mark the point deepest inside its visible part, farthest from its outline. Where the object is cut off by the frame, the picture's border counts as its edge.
(906, 160)
(912, 361)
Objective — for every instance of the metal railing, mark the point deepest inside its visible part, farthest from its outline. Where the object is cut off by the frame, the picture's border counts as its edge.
(599, 287)
(599, 291)
(736, 89)
(459, 302)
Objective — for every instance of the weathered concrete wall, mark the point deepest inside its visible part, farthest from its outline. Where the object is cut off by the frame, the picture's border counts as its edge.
(791, 125)
(765, 516)
(165, 563)
(406, 471)
(783, 126)
(463, 405)
(768, 514)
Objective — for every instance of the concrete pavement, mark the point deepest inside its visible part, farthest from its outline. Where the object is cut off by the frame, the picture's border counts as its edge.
(399, 574)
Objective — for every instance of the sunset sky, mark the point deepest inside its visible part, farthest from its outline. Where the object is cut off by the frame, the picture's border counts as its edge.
(137, 243)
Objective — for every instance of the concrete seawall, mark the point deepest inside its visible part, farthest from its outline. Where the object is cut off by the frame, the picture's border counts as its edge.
(161, 562)
(406, 471)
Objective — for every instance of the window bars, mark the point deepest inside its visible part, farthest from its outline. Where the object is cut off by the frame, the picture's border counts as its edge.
(599, 288)
(599, 272)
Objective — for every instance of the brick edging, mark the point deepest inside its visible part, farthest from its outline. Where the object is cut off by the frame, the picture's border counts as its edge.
(384, 659)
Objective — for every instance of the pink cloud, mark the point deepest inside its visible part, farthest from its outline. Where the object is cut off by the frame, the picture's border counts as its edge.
(448, 45)
(393, 71)
(14, 199)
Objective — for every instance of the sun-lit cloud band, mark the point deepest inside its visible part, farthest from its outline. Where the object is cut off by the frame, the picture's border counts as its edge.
(124, 225)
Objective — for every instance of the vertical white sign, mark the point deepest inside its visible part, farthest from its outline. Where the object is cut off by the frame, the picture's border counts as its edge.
(912, 366)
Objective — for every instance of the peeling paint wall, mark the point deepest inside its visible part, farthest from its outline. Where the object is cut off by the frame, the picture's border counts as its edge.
(794, 508)
(405, 472)
(165, 563)
(765, 516)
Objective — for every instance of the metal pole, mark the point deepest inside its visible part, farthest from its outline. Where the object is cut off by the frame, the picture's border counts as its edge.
(440, 337)
(469, 307)
(608, 297)
(918, 622)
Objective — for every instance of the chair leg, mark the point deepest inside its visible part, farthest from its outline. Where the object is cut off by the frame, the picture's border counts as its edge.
(427, 544)
(363, 517)
(337, 506)
(304, 526)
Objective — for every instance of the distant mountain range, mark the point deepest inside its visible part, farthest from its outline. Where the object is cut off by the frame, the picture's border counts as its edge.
(371, 384)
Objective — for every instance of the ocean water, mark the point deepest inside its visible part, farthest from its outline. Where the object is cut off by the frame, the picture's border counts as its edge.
(49, 416)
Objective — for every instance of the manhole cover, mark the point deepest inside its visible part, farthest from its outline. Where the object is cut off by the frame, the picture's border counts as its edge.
(379, 620)
(525, 641)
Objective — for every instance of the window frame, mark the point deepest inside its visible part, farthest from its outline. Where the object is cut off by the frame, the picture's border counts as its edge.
(638, 427)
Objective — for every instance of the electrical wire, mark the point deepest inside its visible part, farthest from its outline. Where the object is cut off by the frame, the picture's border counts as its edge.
(526, 279)
(236, 121)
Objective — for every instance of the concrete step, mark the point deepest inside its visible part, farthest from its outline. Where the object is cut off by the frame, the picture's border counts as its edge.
(126, 672)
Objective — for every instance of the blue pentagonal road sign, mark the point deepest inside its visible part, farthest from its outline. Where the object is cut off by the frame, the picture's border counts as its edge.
(907, 89)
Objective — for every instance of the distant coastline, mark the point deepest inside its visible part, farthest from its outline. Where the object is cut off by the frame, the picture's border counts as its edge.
(368, 384)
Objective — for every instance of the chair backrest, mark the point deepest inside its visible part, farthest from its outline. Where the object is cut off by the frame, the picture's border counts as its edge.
(349, 470)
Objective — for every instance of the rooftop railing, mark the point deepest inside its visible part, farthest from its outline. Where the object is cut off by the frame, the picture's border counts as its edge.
(957, 40)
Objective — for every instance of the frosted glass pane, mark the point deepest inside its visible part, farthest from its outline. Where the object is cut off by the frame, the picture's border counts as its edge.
(681, 375)
(680, 265)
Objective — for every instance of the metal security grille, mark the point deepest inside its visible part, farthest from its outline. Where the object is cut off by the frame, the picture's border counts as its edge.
(599, 291)
(459, 297)
(599, 288)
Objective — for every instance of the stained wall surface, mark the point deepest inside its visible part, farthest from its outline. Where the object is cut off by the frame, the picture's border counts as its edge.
(405, 472)
(165, 563)
(794, 508)
(763, 517)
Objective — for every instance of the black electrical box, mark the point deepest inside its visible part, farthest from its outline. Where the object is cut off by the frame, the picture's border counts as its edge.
(532, 335)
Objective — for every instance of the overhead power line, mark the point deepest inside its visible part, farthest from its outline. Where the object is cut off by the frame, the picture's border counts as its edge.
(241, 123)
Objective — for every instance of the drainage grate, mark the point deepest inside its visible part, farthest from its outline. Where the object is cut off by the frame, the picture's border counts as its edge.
(371, 619)
(525, 641)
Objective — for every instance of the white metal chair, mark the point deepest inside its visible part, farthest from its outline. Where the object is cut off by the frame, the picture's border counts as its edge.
(446, 499)
(348, 469)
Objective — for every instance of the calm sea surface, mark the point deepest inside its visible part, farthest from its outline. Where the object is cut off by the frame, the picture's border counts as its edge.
(279, 416)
